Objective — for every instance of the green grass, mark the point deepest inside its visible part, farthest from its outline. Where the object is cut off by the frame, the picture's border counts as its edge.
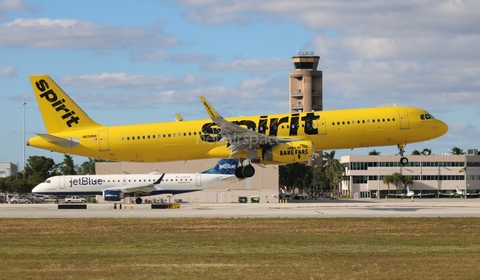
(201, 248)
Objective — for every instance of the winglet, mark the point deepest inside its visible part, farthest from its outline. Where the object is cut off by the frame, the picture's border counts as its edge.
(179, 117)
(210, 110)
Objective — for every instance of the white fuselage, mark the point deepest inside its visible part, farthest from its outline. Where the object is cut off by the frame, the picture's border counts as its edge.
(95, 184)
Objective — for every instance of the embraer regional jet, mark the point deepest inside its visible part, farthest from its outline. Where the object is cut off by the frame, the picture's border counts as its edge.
(114, 187)
(266, 139)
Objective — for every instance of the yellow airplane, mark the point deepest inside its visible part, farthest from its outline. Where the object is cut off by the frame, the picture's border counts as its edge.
(265, 139)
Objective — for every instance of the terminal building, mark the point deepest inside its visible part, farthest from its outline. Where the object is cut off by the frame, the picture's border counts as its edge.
(432, 174)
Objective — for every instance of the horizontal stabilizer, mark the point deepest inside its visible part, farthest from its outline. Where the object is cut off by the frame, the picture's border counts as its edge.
(67, 143)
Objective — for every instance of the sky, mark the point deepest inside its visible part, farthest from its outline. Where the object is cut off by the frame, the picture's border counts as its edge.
(127, 62)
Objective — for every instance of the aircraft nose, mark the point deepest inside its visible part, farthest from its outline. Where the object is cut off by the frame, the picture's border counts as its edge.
(440, 128)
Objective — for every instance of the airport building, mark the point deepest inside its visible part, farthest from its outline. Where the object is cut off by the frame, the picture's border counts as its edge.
(431, 174)
(306, 84)
(306, 87)
(7, 169)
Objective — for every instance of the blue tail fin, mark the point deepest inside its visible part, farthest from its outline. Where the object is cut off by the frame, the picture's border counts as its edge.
(224, 166)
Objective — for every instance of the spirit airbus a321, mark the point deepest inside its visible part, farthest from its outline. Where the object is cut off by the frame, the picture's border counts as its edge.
(265, 139)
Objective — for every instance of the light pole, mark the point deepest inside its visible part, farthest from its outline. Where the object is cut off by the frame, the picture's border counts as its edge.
(378, 178)
(24, 104)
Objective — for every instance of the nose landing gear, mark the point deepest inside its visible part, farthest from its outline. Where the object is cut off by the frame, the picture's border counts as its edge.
(403, 160)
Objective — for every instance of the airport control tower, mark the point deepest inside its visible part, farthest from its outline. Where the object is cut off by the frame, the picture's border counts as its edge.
(306, 87)
(305, 84)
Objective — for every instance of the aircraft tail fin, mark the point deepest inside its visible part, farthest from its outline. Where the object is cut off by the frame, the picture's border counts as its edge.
(59, 111)
(223, 166)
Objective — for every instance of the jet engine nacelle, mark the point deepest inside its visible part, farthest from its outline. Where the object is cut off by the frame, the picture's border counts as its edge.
(112, 195)
(290, 152)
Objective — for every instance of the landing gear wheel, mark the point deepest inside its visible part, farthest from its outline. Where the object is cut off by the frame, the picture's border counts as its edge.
(138, 200)
(403, 160)
(248, 171)
(239, 173)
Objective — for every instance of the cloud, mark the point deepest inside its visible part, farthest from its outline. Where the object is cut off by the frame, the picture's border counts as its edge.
(7, 71)
(108, 91)
(13, 5)
(136, 81)
(166, 56)
(74, 34)
(256, 66)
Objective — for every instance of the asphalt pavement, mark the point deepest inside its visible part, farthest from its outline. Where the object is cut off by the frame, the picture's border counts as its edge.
(443, 207)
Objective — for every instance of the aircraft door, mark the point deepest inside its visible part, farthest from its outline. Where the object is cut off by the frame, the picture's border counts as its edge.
(62, 182)
(103, 141)
(198, 180)
(404, 121)
(322, 128)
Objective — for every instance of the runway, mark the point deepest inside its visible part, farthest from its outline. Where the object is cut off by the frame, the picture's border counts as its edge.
(300, 209)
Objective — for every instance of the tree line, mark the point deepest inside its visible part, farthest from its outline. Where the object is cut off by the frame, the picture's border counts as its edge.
(40, 168)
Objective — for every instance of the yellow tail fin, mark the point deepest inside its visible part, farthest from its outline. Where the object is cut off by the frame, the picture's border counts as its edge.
(58, 110)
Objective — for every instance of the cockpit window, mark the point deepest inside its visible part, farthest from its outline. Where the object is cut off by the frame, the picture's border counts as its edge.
(426, 116)
(47, 181)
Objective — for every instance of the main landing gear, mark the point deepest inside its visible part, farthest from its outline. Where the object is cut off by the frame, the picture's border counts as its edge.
(245, 171)
(403, 160)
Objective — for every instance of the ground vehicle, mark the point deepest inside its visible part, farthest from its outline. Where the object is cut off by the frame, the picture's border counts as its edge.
(21, 199)
(75, 199)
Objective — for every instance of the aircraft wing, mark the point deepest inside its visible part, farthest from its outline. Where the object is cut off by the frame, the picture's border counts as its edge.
(144, 189)
(67, 143)
(240, 138)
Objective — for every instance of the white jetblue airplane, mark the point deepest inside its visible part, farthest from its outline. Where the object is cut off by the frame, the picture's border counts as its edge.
(114, 187)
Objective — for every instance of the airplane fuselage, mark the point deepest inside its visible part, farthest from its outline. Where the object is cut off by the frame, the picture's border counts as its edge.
(186, 140)
(96, 184)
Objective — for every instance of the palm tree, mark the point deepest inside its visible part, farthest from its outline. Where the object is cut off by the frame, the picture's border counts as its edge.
(406, 181)
(415, 153)
(457, 151)
(387, 179)
(333, 168)
(374, 153)
(396, 177)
